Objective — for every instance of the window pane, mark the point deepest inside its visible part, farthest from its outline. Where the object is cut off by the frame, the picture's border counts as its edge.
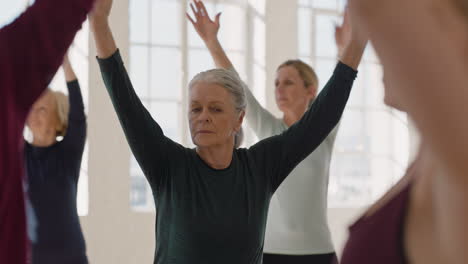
(383, 176)
(352, 133)
(166, 73)
(140, 191)
(259, 80)
(238, 60)
(233, 25)
(349, 180)
(325, 36)
(304, 31)
(166, 22)
(401, 140)
(379, 125)
(357, 98)
(307, 60)
(167, 115)
(324, 69)
(199, 60)
(325, 4)
(141, 198)
(258, 6)
(193, 39)
(342, 5)
(139, 21)
(370, 55)
(305, 3)
(372, 75)
(259, 43)
(139, 70)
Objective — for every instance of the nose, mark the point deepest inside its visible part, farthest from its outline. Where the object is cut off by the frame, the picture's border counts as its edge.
(280, 88)
(204, 116)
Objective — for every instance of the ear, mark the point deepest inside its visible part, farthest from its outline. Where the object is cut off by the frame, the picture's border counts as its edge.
(240, 120)
(311, 91)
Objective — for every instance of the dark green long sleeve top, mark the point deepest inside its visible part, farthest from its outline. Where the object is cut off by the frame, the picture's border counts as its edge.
(214, 216)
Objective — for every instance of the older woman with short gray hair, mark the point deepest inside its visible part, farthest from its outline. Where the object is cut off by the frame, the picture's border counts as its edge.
(212, 201)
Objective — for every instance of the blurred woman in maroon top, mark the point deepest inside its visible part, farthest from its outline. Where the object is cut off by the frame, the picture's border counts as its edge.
(423, 47)
(31, 50)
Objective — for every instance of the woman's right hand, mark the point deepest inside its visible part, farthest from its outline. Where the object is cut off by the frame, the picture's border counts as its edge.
(206, 28)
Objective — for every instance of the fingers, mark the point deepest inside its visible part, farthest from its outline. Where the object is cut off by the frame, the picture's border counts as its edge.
(190, 18)
(202, 8)
(195, 12)
(217, 18)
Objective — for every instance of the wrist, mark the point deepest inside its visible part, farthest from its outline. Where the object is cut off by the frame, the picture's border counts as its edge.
(96, 23)
(213, 42)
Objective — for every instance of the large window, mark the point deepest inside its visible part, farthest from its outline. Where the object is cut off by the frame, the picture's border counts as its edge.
(371, 149)
(166, 53)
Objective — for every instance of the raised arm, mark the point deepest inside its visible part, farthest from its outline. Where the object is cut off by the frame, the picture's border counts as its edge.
(258, 118)
(75, 136)
(425, 66)
(295, 144)
(68, 69)
(32, 47)
(351, 41)
(145, 137)
(428, 71)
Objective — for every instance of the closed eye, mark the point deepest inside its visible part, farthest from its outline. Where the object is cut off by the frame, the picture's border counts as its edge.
(216, 109)
(195, 110)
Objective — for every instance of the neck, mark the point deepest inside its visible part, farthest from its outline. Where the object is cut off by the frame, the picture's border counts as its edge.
(293, 115)
(44, 141)
(217, 157)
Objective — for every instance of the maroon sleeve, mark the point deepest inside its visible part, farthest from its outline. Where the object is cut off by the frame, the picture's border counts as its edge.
(33, 46)
(31, 50)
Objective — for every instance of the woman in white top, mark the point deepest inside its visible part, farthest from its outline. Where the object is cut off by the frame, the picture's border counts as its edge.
(297, 229)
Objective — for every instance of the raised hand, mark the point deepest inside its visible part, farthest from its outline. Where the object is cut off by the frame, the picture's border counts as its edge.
(99, 24)
(101, 10)
(351, 41)
(343, 33)
(206, 28)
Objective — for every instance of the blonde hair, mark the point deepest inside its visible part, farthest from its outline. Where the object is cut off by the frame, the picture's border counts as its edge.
(63, 108)
(233, 84)
(306, 72)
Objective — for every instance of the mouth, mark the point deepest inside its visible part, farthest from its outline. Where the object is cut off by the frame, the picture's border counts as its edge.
(204, 132)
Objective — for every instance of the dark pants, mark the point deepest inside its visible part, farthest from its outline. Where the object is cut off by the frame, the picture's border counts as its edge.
(299, 259)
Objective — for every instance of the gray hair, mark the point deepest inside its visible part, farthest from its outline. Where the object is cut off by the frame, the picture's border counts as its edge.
(233, 84)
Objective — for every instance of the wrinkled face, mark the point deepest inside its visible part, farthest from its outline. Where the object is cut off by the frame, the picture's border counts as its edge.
(290, 91)
(213, 119)
(43, 118)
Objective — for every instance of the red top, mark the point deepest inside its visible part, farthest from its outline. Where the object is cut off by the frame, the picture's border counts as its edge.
(378, 238)
(31, 50)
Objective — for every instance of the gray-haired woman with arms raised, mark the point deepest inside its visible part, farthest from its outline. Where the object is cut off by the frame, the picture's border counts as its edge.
(297, 229)
(212, 201)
